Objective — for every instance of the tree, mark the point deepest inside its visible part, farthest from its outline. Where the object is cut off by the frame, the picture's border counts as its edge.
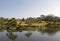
(23, 19)
(12, 22)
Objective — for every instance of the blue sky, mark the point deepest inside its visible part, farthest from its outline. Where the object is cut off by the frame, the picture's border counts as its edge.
(28, 8)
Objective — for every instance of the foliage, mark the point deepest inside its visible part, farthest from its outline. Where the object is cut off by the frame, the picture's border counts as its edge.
(43, 20)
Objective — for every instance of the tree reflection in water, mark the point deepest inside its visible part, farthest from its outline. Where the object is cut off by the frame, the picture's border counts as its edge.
(11, 36)
(28, 34)
(51, 30)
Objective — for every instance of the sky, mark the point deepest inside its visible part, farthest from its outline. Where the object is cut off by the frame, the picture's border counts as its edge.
(28, 8)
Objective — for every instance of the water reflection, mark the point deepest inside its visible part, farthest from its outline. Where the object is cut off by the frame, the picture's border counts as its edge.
(51, 31)
(11, 36)
(28, 34)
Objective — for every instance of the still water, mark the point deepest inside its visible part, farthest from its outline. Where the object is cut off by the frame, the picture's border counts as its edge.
(29, 35)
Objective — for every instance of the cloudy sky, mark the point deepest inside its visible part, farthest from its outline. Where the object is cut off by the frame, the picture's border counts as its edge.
(28, 8)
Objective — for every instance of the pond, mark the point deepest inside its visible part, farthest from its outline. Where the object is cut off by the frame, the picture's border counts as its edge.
(30, 35)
